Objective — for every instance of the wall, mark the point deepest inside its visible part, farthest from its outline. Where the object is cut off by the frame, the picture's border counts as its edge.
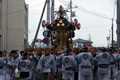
(0, 22)
(13, 25)
(0, 13)
(15, 29)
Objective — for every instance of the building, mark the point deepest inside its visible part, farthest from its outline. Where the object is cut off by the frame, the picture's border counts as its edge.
(78, 43)
(39, 44)
(13, 24)
(114, 44)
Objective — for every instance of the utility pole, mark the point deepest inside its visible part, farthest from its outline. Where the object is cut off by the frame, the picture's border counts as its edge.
(109, 37)
(118, 24)
(48, 16)
(48, 11)
(52, 10)
(39, 25)
(52, 18)
(112, 33)
(71, 10)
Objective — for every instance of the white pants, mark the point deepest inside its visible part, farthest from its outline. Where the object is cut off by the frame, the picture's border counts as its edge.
(102, 76)
(113, 71)
(32, 74)
(8, 76)
(118, 76)
(63, 74)
(2, 77)
(85, 74)
(78, 75)
(69, 75)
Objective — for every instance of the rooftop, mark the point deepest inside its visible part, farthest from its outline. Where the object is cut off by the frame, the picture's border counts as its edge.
(79, 40)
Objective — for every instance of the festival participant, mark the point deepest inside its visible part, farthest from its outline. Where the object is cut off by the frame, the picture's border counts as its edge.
(59, 66)
(115, 55)
(37, 72)
(59, 62)
(103, 64)
(85, 64)
(95, 62)
(70, 65)
(7, 67)
(46, 64)
(76, 51)
(25, 67)
(112, 73)
(15, 61)
(2, 65)
(118, 74)
(33, 59)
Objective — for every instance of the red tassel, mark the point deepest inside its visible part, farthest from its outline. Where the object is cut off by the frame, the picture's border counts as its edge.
(78, 26)
(43, 23)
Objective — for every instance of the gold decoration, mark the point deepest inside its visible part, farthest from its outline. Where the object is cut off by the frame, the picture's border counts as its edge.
(58, 24)
(60, 21)
(63, 24)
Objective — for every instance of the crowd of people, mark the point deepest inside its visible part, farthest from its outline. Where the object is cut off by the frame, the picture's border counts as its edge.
(67, 64)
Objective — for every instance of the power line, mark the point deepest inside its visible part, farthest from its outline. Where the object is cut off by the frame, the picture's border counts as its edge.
(89, 11)
(21, 10)
(102, 26)
(80, 8)
(63, 2)
(94, 13)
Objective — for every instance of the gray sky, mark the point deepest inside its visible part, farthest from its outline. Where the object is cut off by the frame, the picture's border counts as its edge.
(97, 27)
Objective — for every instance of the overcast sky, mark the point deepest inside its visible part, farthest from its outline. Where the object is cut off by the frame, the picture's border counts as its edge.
(98, 27)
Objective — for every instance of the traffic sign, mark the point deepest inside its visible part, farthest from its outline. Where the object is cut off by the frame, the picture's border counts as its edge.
(45, 40)
(45, 33)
